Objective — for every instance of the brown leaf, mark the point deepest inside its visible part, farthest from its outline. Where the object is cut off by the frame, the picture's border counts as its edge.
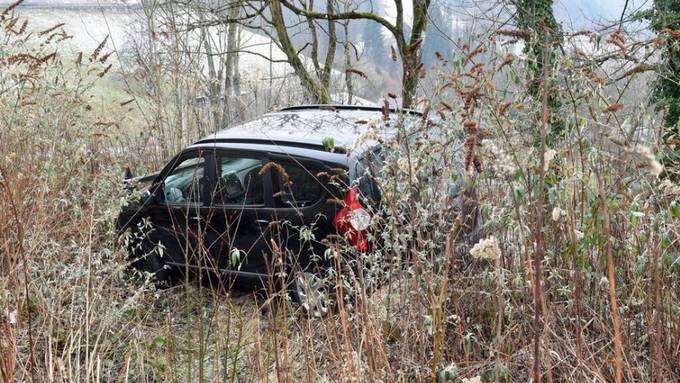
(10, 8)
(99, 48)
(517, 33)
(46, 31)
(638, 69)
(105, 71)
(613, 108)
(674, 33)
(508, 60)
(472, 54)
(504, 107)
(426, 111)
(357, 72)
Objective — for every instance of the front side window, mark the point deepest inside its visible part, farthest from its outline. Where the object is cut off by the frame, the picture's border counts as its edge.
(240, 181)
(185, 184)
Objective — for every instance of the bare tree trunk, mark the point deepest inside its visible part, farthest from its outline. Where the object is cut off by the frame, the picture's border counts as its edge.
(410, 52)
(180, 128)
(314, 88)
(315, 39)
(409, 80)
(270, 92)
(213, 81)
(231, 67)
(238, 108)
(330, 54)
(348, 64)
(154, 69)
(411, 55)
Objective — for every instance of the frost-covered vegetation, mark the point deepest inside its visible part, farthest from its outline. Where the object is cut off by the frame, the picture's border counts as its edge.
(577, 273)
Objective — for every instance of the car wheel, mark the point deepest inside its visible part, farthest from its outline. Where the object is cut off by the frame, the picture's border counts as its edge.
(313, 294)
(150, 261)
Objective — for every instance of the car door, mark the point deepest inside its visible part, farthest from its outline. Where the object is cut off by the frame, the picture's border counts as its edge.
(242, 206)
(181, 204)
(304, 207)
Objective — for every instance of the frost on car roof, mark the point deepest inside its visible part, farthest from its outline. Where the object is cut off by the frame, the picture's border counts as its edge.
(312, 126)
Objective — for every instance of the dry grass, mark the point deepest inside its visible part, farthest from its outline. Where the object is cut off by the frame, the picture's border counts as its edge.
(70, 309)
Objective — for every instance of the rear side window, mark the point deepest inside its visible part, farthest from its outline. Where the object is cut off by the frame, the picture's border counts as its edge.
(297, 183)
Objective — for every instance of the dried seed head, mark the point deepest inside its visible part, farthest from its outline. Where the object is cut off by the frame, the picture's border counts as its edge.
(548, 156)
(487, 249)
(644, 158)
(558, 213)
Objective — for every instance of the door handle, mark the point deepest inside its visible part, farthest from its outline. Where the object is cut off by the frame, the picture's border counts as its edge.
(195, 218)
(264, 224)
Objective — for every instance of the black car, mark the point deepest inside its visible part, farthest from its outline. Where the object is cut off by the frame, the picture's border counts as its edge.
(262, 197)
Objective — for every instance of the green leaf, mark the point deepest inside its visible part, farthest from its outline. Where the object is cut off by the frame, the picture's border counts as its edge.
(328, 143)
(160, 341)
(635, 217)
(665, 242)
(235, 257)
(675, 209)
(519, 193)
(581, 122)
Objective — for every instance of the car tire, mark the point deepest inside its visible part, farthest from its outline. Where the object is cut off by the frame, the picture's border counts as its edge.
(148, 259)
(314, 295)
(153, 264)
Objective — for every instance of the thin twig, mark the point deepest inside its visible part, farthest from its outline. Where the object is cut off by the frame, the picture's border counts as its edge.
(611, 276)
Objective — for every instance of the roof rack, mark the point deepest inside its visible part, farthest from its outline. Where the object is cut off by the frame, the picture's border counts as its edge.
(333, 107)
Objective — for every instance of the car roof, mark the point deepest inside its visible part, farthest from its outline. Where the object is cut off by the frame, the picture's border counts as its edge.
(330, 158)
(308, 126)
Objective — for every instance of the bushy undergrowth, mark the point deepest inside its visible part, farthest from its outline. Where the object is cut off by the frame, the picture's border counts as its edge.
(72, 310)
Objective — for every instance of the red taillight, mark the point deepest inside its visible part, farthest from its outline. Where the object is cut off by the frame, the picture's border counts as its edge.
(353, 220)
